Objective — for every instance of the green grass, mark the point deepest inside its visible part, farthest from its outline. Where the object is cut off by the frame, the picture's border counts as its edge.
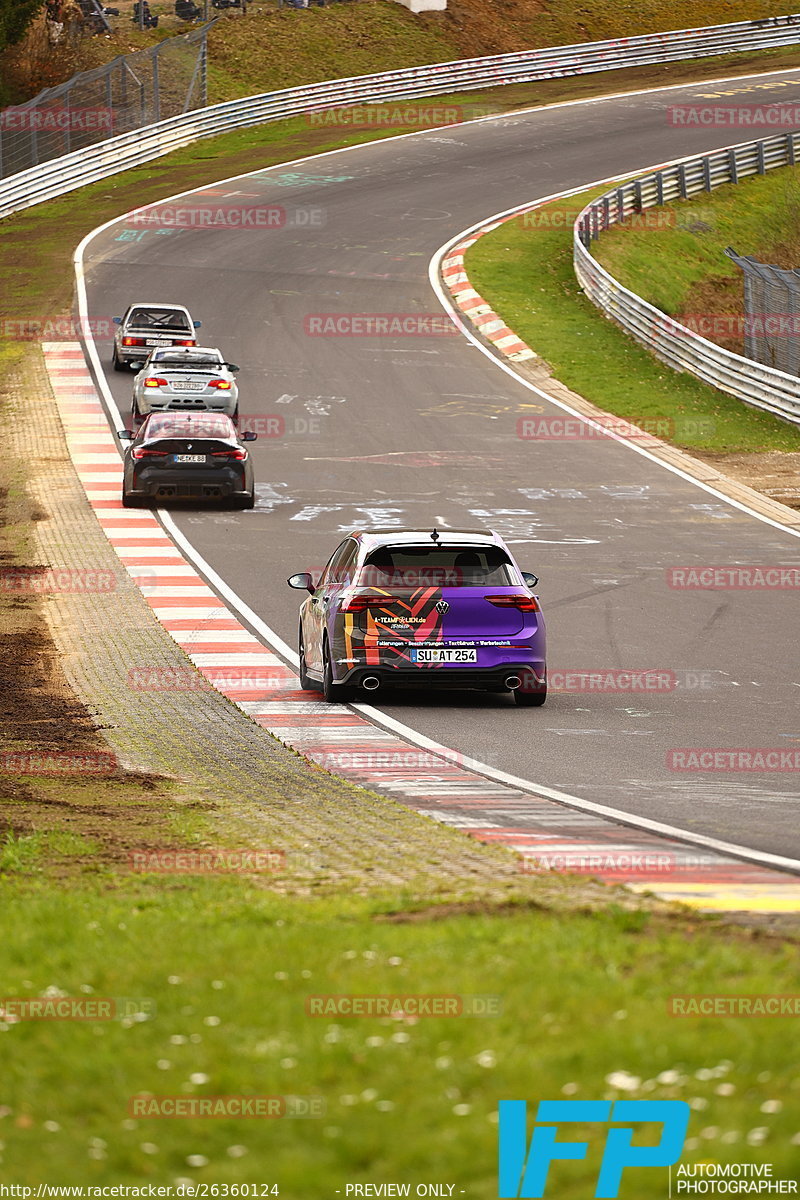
(670, 263)
(225, 971)
(32, 852)
(525, 272)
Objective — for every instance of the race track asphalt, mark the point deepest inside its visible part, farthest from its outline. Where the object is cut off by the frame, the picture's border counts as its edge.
(416, 431)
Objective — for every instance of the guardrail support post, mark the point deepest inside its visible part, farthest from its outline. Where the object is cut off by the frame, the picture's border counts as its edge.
(760, 158)
(733, 168)
(682, 181)
(790, 156)
(659, 187)
(707, 174)
(620, 205)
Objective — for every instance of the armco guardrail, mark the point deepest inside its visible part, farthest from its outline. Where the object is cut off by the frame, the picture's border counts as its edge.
(71, 171)
(681, 348)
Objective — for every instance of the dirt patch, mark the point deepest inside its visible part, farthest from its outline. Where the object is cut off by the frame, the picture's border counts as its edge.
(773, 473)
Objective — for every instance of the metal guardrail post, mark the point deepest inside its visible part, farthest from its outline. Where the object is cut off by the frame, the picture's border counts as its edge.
(733, 167)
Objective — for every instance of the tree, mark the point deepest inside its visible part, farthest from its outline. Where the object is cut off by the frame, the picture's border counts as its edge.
(15, 17)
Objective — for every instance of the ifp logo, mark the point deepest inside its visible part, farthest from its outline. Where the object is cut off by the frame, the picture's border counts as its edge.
(523, 1172)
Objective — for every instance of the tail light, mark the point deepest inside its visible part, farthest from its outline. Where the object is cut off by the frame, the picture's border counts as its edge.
(238, 455)
(142, 452)
(221, 385)
(521, 602)
(155, 381)
(359, 604)
(131, 341)
(187, 342)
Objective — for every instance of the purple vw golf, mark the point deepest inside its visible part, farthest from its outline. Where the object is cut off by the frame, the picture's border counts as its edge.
(411, 608)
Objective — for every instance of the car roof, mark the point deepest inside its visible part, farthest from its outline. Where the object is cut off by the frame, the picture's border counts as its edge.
(372, 538)
(186, 351)
(156, 304)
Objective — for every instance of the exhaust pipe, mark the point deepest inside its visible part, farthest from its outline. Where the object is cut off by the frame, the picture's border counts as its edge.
(513, 682)
(370, 683)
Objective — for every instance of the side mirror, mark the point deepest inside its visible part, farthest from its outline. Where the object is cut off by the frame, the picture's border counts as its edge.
(303, 582)
(117, 320)
(125, 435)
(249, 436)
(233, 369)
(136, 366)
(530, 579)
(197, 324)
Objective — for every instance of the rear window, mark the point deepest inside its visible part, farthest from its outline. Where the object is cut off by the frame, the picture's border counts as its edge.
(159, 318)
(438, 566)
(191, 358)
(201, 426)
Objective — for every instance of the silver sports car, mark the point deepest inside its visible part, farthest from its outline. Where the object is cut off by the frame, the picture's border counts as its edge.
(186, 379)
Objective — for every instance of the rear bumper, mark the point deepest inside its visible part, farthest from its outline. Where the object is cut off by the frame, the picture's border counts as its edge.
(531, 674)
(157, 483)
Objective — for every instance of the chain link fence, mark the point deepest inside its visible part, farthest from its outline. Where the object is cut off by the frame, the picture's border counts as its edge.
(771, 313)
(131, 91)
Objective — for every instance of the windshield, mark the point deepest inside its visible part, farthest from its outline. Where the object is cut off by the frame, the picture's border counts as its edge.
(438, 566)
(202, 426)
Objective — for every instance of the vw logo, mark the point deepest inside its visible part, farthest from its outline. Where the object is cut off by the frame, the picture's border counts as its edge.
(442, 606)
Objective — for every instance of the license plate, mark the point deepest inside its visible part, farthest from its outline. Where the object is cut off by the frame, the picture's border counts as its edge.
(442, 654)
(190, 458)
(158, 342)
(188, 386)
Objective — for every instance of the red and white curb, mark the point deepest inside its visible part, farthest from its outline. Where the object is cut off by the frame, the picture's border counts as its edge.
(473, 305)
(231, 659)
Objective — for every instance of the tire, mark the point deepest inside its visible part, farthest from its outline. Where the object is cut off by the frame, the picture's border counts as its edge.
(129, 501)
(116, 364)
(135, 414)
(531, 694)
(248, 501)
(334, 693)
(307, 684)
